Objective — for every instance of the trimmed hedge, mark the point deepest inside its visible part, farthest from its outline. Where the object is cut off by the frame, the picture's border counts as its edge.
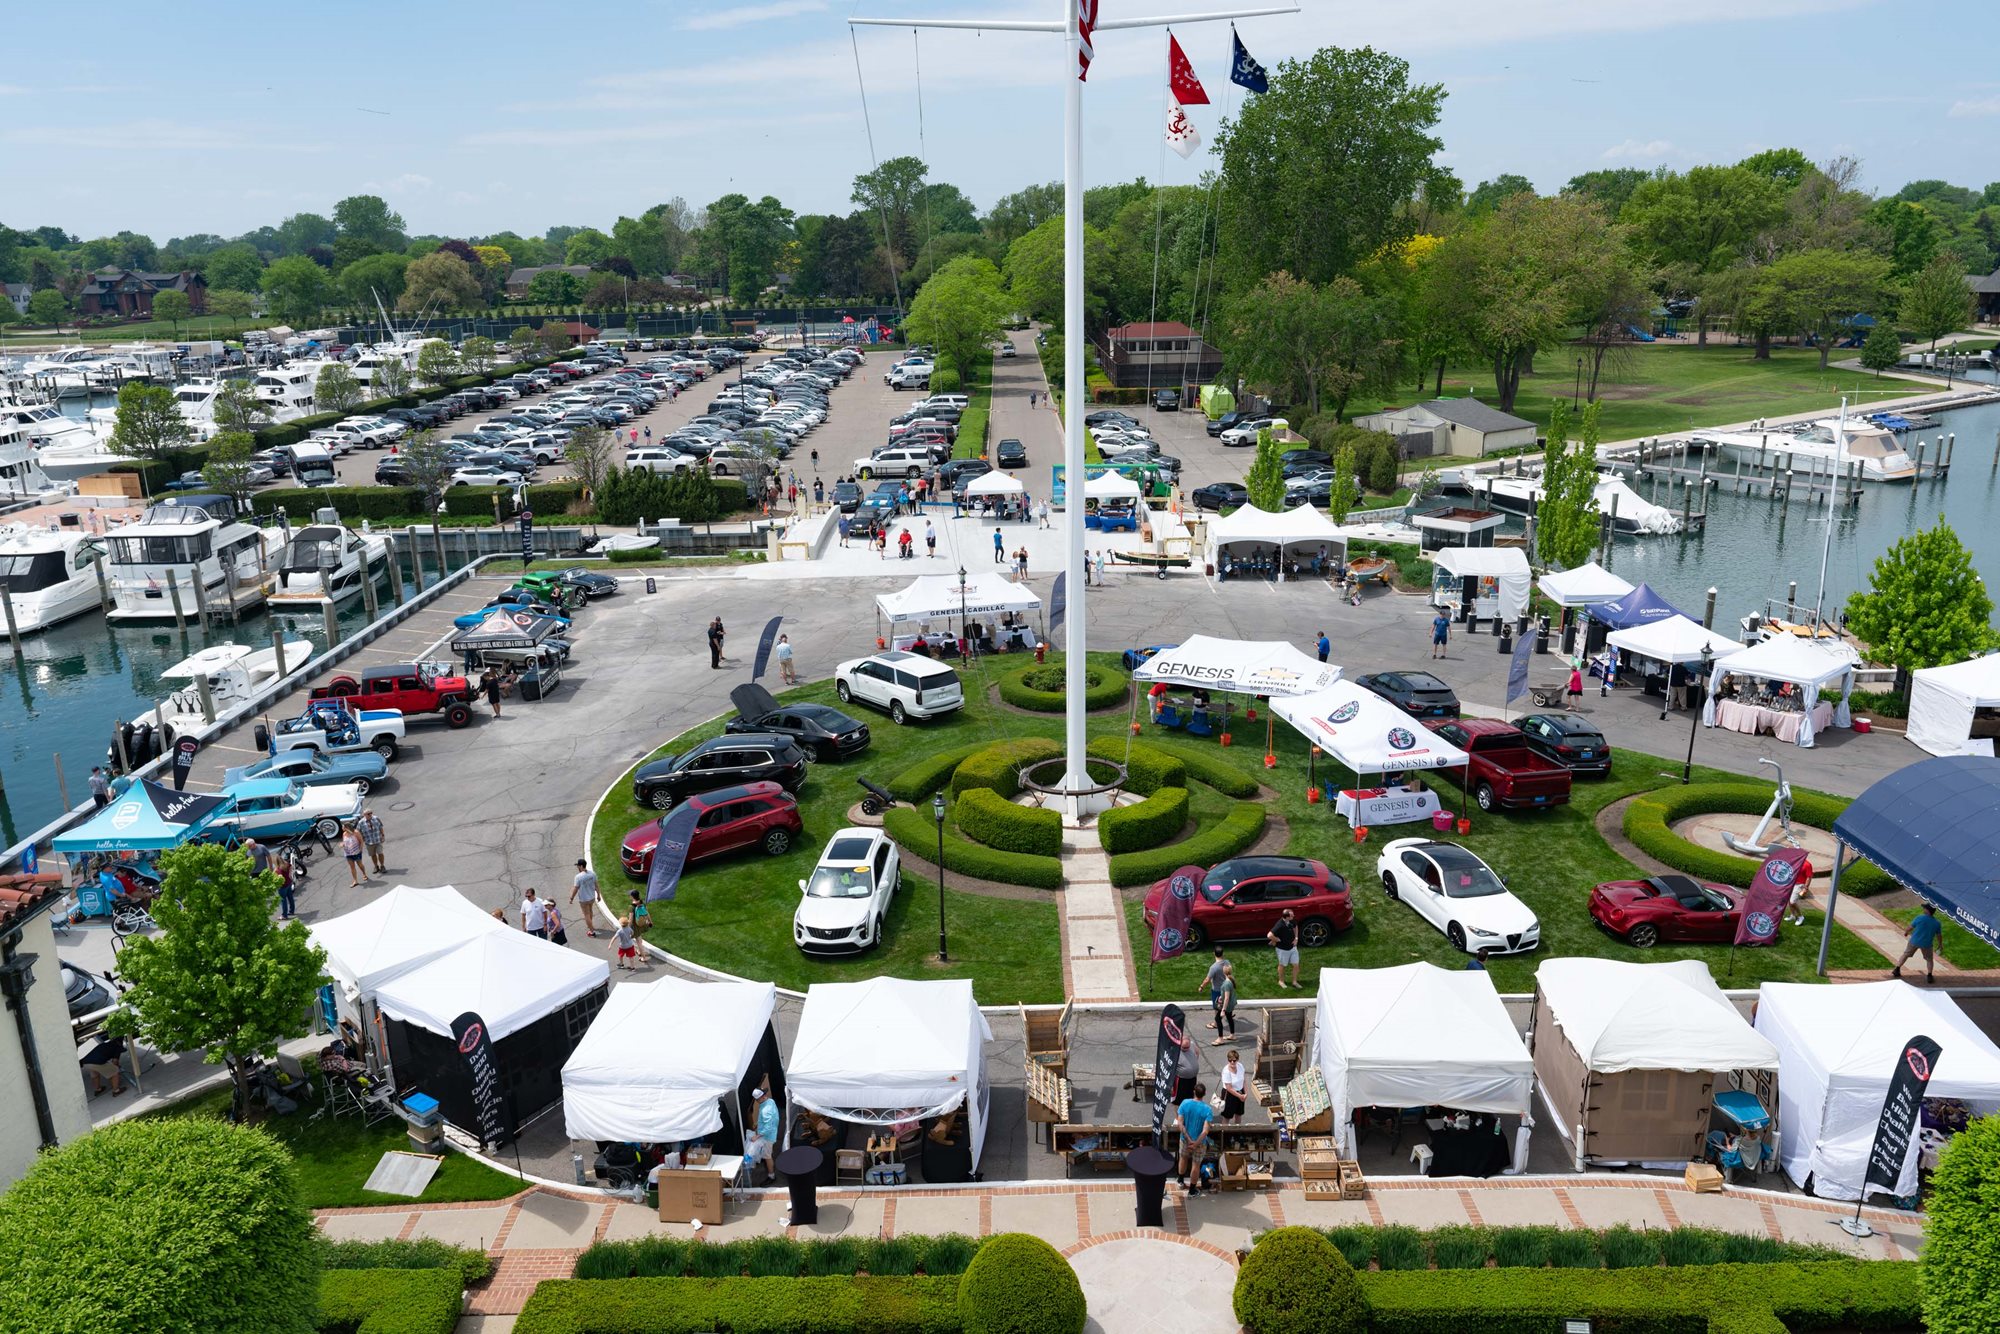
(1147, 768)
(389, 1301)
(992, 819)
(1204, 767)
(471, 501)
(1212, 843)
(1961, 1251)
(420, 1253)
(1295, 1282)
(778, 1257)
(1650, 817)
(1019, 1284)
(1546, 1246)
(353, 502)
(998, 766)
(551, 500)
(1157, 820)
(743, 1306)
(1106, 691)
(930, 774)
(917, 834)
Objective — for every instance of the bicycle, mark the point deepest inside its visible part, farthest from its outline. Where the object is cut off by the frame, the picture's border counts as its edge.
(128, 919)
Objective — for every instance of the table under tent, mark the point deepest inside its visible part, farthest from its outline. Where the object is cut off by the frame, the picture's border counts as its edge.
(1256, 543)
(1201, 665)
(106, 851)
(1368, 735)
(989, 609)
(1796, 713)
(1481, 583)
(1661, 657)
(1111, 503)
(995, 494)
(1588, 585)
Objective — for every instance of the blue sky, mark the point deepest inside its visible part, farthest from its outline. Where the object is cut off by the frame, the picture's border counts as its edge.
(516, 116)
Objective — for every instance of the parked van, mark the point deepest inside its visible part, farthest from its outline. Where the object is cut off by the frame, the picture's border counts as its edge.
(312, 464)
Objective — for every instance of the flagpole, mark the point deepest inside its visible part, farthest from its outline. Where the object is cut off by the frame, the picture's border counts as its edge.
(1076, 775)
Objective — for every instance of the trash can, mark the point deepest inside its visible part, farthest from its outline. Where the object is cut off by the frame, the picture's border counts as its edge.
(1441, 821)
(1542, 636)
(1150, 1169)
(800, 1167)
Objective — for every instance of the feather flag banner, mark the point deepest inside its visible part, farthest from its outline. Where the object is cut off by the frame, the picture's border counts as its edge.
(1182, 136)
(1244, 71)
(1180, 76)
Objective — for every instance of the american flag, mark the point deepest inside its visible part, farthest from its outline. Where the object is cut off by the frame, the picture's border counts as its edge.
(1086, 19)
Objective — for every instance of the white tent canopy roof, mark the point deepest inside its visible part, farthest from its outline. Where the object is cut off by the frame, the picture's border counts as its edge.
(937, 596)
(995, 484)
(1674, 639)
(1302, 523)
(1111, 486)
(1506, 566)
(1809, 663)
(1584, 586)
(643, 1072)
(1243, 666)
(1365, 732)
(508, 978)
(1942, 701)
(404, 929)
(1417, 1036)
(1649, 1016)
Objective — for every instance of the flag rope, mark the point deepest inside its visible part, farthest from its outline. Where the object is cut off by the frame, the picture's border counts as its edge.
(888, 245)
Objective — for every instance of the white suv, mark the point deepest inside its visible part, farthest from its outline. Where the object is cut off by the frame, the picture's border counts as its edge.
(657, 458)
(894, 461)
(908, 685)
(1245, 433)
(909, 375)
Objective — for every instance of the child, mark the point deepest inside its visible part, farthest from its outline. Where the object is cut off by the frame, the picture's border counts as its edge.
(623, 941)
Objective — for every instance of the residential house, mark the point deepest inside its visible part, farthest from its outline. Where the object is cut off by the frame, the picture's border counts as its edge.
(17, 297)
(42, 1099)
(1164, 354)
(130, 293)
(1463, 427)
(1986, 292)
(520, 280)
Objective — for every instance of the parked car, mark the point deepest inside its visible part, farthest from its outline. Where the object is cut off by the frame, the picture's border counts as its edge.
(724, 761)
(362, 769)
(955, 473)
(846, 497)
(1298, 462)
(410, 688)
(1010, 453)
(751, 815)
(271, 808)
(1221, 495)
(1109, 417)
(1241, 899)
(1167, 400)
(329, 727)
(1503, 772)
(1569, 739)
(822, 731)
(907, 685)
(845, 902)
(1217, 425)
(1133, 657)
(1418, 694)
(1245, 432)
(1667, 907)
(1459, 894)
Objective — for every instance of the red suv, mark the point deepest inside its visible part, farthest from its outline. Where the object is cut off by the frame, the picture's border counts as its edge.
(751, 815)
(1240, 899)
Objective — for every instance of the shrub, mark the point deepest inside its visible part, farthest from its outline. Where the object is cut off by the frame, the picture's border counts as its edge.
(423, 1253)
(634, 556)
(915, 832)
(1040, 688)
(389, 1301)
(1650, 816)
(626, 497)
(987, 817)
(742, 1306)
(1460, 1247)
(945, 380)
(1574, 1249)
(998, 766)
(1401, 1247)
(765, 1257)
(1212, 843)
(1019, 1284)
(352, 502)
(1522, 1247)
(930, 773)
(1691, 1246)
(1147, 768)
(1961, 1249)
(182, 1224)
(551, 500)
(1356, 1242)
(1296, 1282)
(1204, 767)
(1148, 824)
(477, 500)
(1626, 1249)
(948, 1252)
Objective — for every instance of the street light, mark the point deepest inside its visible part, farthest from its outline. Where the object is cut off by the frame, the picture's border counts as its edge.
(964, 635)
(1707, 661)
(937, 813)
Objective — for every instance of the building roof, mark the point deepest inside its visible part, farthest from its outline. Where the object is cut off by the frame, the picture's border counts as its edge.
(1990, 283)
(108, 280)
(523, 277)
(1471, 413)
(1155, 329)
(22, 896)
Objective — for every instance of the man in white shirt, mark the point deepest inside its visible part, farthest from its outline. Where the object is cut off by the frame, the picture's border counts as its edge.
(533, 918)
(583, 892)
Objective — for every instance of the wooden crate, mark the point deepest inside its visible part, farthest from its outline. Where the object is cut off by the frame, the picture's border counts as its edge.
(1265, 1096)
(1318, 1144)
(1703, 1178)
(1352, 1184)
(1048, 1094)
(1320, 1164)
(1324, 1188)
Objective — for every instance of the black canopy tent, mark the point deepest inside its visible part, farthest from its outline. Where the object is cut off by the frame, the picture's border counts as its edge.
(505, 629)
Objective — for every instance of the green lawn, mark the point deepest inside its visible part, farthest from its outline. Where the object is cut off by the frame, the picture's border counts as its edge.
(1957, 945)
(196, 329)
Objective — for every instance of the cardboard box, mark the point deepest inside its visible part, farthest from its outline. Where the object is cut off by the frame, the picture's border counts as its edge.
(1704, 1178)
(687, 1195)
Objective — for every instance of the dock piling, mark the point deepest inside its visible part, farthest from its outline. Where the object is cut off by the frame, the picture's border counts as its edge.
(104, 585)
(1708, 614)
(396, 570)
(174, 596)
(13, 631)
(278, 652)
(332, 624)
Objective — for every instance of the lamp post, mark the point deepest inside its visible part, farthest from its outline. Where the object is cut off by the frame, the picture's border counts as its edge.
(1707, 661)
(937, 813)
(965, 636)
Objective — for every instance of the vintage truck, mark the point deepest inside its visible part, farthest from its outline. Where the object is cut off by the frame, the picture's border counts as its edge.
(330, 727)
(1504, 773)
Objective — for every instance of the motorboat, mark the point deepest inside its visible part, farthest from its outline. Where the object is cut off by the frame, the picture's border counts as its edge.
(1631, 513)
(207, 687)
(202, 545)
(1819, 446)
(196, 400)
(325, 562)
(289, 388)
(21, 473)
(49, 574)
(621, 542)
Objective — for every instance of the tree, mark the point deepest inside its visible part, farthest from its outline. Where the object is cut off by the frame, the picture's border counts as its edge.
(237, 407)
(1818, 292)
(437, 361)
(336, 389)
(429, 468)
(295, 289)
(230, 304)
(589, 452)
(1384, 467)
(1490, 194)
(1883, 349)
(1961, 1260)
(372, 278)
(238, 267)
(1317, 172)
(1698, 224)
(587, 246)
(1609, 188)
(222, 977)
(149, 424)
(213, 1237)
(521, 343)
(173, 307)
(757, 237)
(1265, 479)
(442, 280)
(1936, 301)
(553, 337)
(1346, 488)
(1925, 605)
(367, 220)
(48, 306)
(1034, 270)
(229, 463)
(1319, 345)
(478, 354)
(1014, 216)
(553, 287)
(960, 312)
(1908, 232)
(303, 232)
(891, 192)
(392, 378)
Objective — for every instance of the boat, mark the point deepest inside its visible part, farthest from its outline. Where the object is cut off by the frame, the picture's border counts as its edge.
(21, 473)
(289, 388)
(1900, 422)
(196, 400)
(49, 574)
(200, 544)
(621, 542)
(211, 683)
(65, 448)
(325, 562)
(1370, 569)
(1631, 513)
(1818, 445)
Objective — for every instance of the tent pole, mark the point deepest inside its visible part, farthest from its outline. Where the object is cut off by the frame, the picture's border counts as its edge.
(1832, 900)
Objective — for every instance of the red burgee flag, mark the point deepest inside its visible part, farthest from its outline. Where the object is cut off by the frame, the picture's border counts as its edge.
(1180, 76)
(1086, 19)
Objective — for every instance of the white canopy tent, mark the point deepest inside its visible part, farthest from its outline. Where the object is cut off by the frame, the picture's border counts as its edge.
(995, 484)
(404, 929)
(1365, 732)
(934, 597)
(509, 978)
(1250, 526)
(1418, 1036)
(1837, 1048)
(1240, 666)
(1943, 701)
(644, 1073)
(1506, 567)
(889, 1050)
(1585, 586)
(1675, 639)
(1808, 664)
(1111, 486)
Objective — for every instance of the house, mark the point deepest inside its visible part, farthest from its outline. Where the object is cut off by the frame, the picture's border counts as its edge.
(1464, 427)
(579, 332)
(42, 1100)
(129, 293)
(17, 297)
(1986, 292)
(520, 280)
(1164, 354)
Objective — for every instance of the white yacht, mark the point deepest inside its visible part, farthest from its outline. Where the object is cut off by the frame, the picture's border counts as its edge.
(232, 674)
(1875, 448)
(1522, 493)
(289, 388)
(60, 360)
(65, 447)
(202, 542)
(48, 574)
(196, 400)
(21, 474)
(325, 562)
(369, 364)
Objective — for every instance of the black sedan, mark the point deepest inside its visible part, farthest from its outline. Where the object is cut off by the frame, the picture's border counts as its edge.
(823, 732)
(1221, 496)
(1570, 740)
(1011, 454)
(846, 497)
(1110, 417)
(1318, 493)
(1418, 694)
(1299, 461)
(1167, 400)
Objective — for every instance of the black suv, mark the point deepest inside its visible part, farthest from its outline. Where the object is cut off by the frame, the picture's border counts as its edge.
(1418, 694)
(1571, 741)
(822, 731)
(1010, 454)
(746, 757)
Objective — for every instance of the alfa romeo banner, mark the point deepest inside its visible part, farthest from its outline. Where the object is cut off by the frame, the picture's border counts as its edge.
(1764, 902)
(1166, 1056)
(1176, 909)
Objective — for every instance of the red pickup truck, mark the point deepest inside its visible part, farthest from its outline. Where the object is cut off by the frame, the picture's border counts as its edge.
(1505, 773)
(410, 687)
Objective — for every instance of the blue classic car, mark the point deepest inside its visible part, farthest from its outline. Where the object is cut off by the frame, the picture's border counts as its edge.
(472, 619)
(268, 808)
(362, 768)
(1134, 656)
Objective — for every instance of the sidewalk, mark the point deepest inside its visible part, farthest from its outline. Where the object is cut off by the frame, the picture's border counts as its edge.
(1097, 953)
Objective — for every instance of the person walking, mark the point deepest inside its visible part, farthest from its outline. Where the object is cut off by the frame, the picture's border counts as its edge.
(1193, 1116)
(1440, 632)
(819, 492)
(1234, 1082)
(1325, 646)
(369, 826)
(1212, 980)
(1477, 963)
(287, 902)
(1925, 928)
(882, 543)
(843, 530)
(1225, 1007)
(930, 541)
(1575, 688)
(786, 671)
(259, 855)
(767, 1123)
(999, 547)
(1100, 567)
(350, 848)
(624, 945)
(534, 919)
(1042, 513)
(715, 637)
(100, 787)
(489, 681)
(815, 460)
(1187, 1066)
(1284, 938)
(583, 893)
(1087, 560)
(1031, 398)
(641, 916)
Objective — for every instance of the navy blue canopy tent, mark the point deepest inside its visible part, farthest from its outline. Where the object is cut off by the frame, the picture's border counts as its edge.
(1930, 827)
(1641, 606)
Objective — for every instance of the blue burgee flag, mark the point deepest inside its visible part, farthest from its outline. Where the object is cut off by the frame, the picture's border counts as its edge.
(1245, 71)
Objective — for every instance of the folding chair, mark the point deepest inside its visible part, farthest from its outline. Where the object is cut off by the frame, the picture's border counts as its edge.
(850, 1167)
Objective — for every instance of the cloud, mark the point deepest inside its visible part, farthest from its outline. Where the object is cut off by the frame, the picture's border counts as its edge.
(738, 128)
(151, 135)
(12, 90)
(738, 17)
(1983, 106)
(1651, 150)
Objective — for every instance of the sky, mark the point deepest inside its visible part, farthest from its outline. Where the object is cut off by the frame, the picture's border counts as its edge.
(517, 117)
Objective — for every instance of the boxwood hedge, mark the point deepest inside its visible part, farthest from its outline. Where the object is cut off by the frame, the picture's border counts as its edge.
(1148, 824)
(1202, 765)
(389, 1301)
(352, 502)
(998, 766)
(1147, 768)
(930, 773)
(1212, 843)
(1024, 687)
(917, 834)
(992, 819)
(743, 1306)
(1650, 816)
(1019, 1284)
(1295, 1282)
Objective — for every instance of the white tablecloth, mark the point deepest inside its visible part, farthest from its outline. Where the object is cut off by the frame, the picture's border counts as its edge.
(730, 1165)
(1781, 723)
(1384, 805)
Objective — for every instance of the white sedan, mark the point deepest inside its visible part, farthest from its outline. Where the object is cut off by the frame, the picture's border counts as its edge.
(843, 906)
(482, 475)
(1458, 894)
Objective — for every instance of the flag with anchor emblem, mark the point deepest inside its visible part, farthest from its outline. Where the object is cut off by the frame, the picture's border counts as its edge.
(1243, 71)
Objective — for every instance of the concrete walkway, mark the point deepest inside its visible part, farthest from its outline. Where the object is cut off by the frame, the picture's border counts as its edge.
(1097, 954)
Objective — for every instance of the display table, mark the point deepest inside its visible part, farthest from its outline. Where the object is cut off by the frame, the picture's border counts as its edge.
(1468, 1153)
(1385, 805)
(1781, 723)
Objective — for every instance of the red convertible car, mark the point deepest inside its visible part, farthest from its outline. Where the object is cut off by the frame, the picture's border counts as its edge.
(1241, 899)
(1667, 907)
